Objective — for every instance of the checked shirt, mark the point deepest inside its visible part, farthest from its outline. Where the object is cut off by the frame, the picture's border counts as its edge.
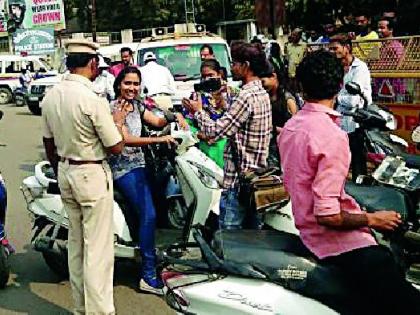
(247, 124)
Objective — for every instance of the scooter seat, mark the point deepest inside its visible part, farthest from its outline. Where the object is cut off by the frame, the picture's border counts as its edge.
(285, 260)
(375, 198)
(411, 160)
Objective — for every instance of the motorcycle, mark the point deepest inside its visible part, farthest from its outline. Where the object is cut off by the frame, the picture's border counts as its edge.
(197, 201)
(6, 248)
(19, 95)
(377, 122)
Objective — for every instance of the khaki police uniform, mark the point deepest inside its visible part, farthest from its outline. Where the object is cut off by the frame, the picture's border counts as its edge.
(81, 125)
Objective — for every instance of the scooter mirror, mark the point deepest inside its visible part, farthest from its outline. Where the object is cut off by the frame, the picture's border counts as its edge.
(353, 88)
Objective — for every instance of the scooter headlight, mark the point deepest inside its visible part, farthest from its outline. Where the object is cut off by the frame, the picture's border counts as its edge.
(391, 123)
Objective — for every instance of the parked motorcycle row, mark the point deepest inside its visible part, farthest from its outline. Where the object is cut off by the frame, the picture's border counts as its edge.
(208, 271)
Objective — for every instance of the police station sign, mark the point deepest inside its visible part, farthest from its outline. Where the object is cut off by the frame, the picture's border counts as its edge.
(34, 42)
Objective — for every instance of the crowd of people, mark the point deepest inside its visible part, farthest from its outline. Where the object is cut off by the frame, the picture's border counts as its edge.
(284, 114)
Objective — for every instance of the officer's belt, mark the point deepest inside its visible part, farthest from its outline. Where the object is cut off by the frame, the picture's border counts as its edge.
(74, 162)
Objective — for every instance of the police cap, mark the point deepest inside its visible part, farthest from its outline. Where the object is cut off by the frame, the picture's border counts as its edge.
(81, 46)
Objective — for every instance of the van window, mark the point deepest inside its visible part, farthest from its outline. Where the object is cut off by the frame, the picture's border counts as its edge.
(184, 61)
(12, 66)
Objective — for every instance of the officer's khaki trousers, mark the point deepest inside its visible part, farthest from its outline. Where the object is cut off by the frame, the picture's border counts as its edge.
(87, 195)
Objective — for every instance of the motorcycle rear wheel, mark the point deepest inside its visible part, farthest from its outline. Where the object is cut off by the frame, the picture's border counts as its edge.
(57, 262)
(4, 267)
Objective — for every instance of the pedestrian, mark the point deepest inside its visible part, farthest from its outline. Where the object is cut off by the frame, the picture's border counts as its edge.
(104, 83)
(358, 72)
(283, 106)
(158, 81)
(206, 52)
(295, 51)
(130, 174)
(25, 79)
(127, 59)
(247, 126)
(331, 224)
(365, 32)
(275, 55)
(314, 40)
(78, 132)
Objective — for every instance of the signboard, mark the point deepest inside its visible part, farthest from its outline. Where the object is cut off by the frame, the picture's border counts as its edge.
(28, 14)
(34, 42)
(3, 21)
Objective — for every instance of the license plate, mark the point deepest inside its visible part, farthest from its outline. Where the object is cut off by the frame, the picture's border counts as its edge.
(33, 98)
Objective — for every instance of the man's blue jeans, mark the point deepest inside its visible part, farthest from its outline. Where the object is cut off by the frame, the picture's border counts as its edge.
(234, 216)
(136, 190)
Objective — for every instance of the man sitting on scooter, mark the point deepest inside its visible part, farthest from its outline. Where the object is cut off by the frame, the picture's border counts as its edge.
(315, 158)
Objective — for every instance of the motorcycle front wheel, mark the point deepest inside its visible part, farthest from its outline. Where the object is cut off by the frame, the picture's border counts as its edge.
(56, 257)
(4, 267)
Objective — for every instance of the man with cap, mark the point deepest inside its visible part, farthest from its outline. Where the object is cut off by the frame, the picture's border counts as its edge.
(78, 133)
(104, 83)
(158, 81)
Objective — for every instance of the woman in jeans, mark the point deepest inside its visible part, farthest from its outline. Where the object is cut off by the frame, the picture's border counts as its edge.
(129, 171)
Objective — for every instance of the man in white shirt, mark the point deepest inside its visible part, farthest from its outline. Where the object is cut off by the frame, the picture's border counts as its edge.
(158, 81)
(103, 85)
(355, 71)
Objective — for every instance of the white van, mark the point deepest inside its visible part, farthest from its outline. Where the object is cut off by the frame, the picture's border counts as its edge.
(10, 70)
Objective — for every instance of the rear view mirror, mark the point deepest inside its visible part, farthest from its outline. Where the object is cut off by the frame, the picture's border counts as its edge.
(353, 88)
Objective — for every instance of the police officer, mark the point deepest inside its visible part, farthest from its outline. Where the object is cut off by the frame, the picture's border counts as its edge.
(79, 131)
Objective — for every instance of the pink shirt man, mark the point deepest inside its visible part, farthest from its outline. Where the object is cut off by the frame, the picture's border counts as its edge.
(315, 158)
(116, 69)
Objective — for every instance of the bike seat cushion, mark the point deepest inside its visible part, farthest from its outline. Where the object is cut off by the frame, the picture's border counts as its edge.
(411, 160)
(286, 261)
(375, 198)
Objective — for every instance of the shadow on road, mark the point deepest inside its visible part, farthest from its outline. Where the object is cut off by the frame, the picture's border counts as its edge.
(28, 113)
(19, 295)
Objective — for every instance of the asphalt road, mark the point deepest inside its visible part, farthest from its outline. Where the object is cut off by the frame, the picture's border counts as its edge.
(33, 288)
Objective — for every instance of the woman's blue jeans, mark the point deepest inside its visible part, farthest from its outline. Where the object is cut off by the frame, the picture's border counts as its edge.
(136, 190)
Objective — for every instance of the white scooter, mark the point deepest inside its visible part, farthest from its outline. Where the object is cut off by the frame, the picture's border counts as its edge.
(269, 271)
(198, 178)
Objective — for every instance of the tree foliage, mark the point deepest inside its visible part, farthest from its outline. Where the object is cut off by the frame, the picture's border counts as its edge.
(114, 15)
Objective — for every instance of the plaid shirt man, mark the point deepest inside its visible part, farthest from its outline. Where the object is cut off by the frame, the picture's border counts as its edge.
(248, 125)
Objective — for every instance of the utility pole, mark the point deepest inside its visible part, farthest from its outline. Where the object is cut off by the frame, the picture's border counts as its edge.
(273, 19)
(93, 16)
(189, 11)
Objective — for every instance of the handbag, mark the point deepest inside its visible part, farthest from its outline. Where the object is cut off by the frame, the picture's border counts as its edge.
(261, 189)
